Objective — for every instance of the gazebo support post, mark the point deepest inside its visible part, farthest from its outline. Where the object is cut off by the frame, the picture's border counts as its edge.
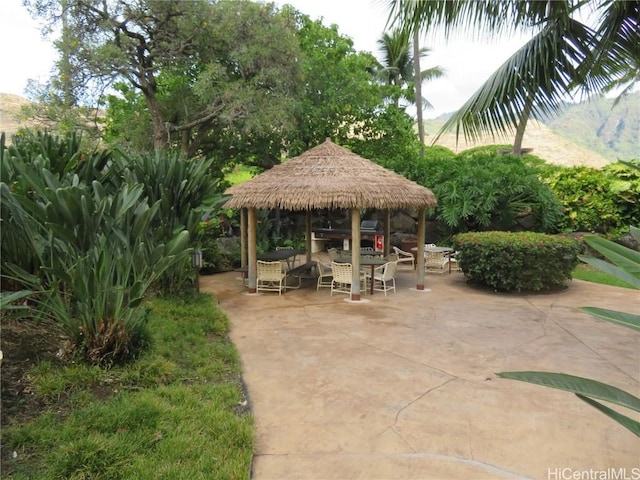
(243, 237)
(251, 240)
(308, 235)
(420, 250)
(355, 254)
(387, 233)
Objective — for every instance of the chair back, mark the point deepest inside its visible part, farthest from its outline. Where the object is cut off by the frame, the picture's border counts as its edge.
(342, 272)
(334, 254)
(389, 270)
(434, 260)
(284, 248)
(269, 271)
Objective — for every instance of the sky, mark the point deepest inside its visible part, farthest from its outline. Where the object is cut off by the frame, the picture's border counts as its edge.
(467, 63)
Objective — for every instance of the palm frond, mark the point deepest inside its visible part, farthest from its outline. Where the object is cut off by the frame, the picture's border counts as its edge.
(539, 74)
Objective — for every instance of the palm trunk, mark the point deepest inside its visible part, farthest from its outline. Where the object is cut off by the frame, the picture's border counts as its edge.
(418, 81)
(522, 125)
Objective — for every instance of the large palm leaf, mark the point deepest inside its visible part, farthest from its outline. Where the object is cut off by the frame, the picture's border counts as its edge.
(539, 75)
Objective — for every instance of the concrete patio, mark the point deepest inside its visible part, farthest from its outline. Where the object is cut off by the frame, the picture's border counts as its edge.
(404, 386)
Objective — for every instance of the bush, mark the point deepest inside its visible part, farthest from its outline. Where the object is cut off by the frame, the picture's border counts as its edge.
(525, 261)
(598, 201)
(485, 190)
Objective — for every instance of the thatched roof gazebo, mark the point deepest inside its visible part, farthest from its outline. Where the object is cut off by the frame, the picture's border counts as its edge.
(329, 177)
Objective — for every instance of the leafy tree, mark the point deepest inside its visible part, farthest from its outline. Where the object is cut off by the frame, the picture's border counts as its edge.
(339, 90)
(199, 65)
(562, 55)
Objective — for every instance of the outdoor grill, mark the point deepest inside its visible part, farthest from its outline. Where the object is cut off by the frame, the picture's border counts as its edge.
(370, 231)
(370, 226)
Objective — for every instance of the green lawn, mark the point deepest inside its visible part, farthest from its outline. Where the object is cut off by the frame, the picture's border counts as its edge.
(178, 412)
(591, 274)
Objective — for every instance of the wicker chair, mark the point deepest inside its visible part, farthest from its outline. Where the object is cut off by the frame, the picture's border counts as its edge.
(435, 262)
(325, 276)
(405, 260)
(384, 277)
(343, 278)
(270, 277)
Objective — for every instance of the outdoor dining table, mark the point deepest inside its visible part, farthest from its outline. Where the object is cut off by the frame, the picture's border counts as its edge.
(283, 254)
(372, 261)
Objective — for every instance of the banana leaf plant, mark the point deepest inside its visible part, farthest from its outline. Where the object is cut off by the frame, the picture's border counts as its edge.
(624, 263)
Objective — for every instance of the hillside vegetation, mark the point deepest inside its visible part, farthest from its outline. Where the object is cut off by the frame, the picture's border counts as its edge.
(590, 134)
(613, 132)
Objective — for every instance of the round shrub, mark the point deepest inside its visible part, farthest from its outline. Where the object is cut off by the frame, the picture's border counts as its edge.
(523, 261)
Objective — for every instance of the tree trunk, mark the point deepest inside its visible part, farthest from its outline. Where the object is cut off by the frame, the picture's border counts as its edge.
(159, 128)
(66, 73)
(522, 125)
(418, 81)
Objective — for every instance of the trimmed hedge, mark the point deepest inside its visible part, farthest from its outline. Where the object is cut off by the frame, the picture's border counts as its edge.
(508, 262)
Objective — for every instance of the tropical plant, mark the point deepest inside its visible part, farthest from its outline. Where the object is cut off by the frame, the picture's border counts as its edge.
(596, 200)
(85, 240)
(484, 190)
(562, 56)
(624, 263)
(397, 66)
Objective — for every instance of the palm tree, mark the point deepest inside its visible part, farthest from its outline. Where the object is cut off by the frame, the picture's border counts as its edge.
(397, 67)
(563, 57)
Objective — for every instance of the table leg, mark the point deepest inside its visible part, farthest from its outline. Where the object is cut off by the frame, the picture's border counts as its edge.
(372, 272)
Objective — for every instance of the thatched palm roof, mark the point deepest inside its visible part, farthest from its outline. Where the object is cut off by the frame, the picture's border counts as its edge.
(329, 176)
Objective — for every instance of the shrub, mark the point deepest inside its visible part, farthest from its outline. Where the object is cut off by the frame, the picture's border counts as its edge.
(599, 201)
(486, 190)
(525, 261)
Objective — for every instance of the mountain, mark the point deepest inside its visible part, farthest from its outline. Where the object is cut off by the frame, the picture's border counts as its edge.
(612, 131)
(592, 133)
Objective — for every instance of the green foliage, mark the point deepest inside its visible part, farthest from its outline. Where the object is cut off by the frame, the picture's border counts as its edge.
(387, 138)
(485, 190)
(599, 201)
(508, 262)
(625, 265)
(89, 239)
(175, 412)
(337, 89)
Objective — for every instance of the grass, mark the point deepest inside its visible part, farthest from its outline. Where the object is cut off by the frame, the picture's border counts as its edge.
(591, 274)
(178, 412)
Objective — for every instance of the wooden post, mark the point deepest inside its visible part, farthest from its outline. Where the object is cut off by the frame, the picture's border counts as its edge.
(308, 235)
(420, 250)
(243, 237)
(355, 254)
(252, 240)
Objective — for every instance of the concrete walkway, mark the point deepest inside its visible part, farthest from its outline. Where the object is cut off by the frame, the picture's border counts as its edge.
(404, 386)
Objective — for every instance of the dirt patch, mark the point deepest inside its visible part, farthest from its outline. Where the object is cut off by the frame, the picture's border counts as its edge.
(24, 343)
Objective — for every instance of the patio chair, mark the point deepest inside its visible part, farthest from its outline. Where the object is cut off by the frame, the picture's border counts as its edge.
(435, 262)
(384, 277)
(325, 276)
(405, 259)
(270, 277)
(343, 278)
(334, 254)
